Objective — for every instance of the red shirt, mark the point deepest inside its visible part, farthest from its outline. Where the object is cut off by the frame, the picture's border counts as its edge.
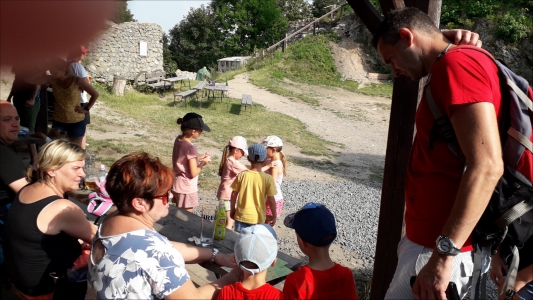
(460, 77)
(237, 291)
(334, 283)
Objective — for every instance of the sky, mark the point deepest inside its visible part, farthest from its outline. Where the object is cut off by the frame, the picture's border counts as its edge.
(164, 13)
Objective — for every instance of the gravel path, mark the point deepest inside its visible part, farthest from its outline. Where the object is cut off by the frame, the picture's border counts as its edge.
(355, 206)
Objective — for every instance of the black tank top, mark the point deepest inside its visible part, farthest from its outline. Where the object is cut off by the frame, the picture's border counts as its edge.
(30, 254)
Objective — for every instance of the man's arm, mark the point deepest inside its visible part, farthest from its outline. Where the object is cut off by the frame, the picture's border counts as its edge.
(476, 128)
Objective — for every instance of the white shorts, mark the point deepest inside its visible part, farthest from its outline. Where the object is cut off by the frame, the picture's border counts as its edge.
(413, 257)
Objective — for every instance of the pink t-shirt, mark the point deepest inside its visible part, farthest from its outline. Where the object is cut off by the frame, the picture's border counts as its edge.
(230, 171)
(182, 153)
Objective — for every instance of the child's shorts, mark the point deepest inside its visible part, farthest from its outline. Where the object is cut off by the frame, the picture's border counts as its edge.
(185, 200)
(279, 206)
(240, 226)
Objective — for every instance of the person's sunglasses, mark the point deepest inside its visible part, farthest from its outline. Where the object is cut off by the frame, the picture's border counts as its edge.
(163, 198)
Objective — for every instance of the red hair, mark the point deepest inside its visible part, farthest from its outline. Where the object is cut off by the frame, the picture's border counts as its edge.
(137, 175)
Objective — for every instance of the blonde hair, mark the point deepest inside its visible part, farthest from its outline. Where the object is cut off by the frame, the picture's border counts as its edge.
(282, 157)
(225, 154)
(53, 156)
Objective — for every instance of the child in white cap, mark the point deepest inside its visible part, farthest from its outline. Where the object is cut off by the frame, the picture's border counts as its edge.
(256, 249)
(229, 168)
(278, 161)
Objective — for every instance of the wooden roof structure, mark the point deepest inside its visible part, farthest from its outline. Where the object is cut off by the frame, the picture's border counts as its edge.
(405, 96)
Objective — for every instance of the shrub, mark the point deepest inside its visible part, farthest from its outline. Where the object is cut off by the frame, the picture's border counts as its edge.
(512, 27)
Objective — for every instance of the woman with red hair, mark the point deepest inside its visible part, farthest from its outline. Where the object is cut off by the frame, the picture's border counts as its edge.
(129, 259)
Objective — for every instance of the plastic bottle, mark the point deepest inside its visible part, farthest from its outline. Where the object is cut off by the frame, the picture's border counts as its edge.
(102, 174)
(220, 221)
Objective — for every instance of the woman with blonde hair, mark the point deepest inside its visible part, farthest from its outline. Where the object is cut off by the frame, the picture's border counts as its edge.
(42, 229)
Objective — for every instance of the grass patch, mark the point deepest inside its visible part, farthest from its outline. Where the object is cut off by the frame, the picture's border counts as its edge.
(308, 61)
(377, 173)
(159, 119)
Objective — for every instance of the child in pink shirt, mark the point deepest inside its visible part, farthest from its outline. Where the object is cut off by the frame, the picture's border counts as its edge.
(186, 163)
(228, 170)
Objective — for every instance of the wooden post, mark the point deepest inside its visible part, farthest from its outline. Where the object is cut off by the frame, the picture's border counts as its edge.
(119, 85)
(399, 141)
(314, 28)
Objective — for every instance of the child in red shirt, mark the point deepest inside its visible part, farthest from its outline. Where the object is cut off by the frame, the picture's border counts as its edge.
(256, 249)
(321, 278)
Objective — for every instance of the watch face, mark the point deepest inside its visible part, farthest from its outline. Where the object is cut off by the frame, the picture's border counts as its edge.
(444, 245)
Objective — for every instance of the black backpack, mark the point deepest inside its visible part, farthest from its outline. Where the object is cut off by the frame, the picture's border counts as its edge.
(508, 218)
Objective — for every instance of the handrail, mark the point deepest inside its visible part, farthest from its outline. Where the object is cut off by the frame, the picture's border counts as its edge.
(305, 27)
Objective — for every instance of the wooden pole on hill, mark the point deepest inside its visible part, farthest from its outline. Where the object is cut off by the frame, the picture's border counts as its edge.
(400, 136)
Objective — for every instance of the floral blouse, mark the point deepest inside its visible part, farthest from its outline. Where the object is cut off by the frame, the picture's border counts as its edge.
(140, 264)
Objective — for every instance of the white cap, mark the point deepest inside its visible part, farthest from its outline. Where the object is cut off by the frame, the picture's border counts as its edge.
(272, 141)
(240, 143)
(257, 244)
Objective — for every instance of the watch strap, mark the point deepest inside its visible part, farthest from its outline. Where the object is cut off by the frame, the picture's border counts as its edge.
(215, 252)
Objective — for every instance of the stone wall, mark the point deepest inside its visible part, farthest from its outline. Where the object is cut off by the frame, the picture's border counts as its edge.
(117, 51)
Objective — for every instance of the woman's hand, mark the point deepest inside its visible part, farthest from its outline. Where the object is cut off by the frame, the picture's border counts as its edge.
(80, 110)
(226, 260)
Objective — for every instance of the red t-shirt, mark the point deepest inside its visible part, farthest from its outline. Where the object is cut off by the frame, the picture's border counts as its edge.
(334, 283)
(237, 291)
(462, 76)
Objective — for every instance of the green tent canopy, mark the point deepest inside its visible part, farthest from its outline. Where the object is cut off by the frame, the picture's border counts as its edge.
(203, 74)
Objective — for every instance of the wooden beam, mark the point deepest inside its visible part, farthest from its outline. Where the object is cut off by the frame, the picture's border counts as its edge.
(400, 136)
(368, 14)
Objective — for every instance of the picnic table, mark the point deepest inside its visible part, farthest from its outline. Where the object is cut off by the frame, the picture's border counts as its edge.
(212, 91)
(180, 225)
(181, 79)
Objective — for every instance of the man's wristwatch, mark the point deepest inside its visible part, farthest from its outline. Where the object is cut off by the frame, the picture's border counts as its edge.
(215, 252)
(445, 246)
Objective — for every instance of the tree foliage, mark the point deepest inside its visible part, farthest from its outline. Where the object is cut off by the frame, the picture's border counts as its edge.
(294, 10)
(169, 64)
(195, 41)
(123, 14)
(322, 7)
(247, 25)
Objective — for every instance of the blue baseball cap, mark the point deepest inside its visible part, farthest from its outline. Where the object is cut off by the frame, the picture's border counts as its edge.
(314, 223)
(257, 153)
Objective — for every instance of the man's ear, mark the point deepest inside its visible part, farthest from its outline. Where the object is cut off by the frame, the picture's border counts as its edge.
(406, 35)
(140, 205)
(274, 262)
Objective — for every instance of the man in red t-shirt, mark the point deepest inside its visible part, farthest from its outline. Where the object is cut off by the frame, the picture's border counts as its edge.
(321, 278)
(444, 200)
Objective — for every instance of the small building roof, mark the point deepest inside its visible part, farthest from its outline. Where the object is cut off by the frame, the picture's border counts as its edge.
(234, 58)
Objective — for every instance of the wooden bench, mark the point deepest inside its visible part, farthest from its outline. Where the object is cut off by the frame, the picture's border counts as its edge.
(246, 101)
(185, 95)
(154, 80)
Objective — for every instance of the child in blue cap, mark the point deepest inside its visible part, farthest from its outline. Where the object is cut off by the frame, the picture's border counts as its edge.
(250, 188)
(321, 278)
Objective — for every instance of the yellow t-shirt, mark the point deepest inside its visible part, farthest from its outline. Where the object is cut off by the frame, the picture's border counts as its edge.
(253, 188)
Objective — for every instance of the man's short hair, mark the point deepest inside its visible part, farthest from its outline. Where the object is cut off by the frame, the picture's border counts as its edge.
(407, 17)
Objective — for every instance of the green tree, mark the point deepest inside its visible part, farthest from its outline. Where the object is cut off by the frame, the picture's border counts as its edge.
(123, 14)
(322, 7)
(195, 41)
(294, 10)
(247, 25)
(169, 64)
